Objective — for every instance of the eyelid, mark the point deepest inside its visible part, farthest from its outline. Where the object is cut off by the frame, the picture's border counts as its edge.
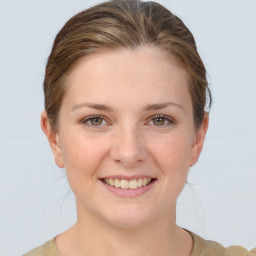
(88, 118)
(171, 121)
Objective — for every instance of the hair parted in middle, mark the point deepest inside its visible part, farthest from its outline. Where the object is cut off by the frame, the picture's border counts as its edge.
(123, 24)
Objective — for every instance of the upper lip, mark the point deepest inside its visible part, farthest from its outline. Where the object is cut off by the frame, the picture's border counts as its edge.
(124, 177)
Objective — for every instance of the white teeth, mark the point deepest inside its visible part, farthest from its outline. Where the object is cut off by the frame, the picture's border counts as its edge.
(139, 183)
(111, 182)
(117, 183)
(124, 184)
(132, 184)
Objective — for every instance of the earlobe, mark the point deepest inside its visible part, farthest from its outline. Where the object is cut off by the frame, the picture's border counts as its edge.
(53, 139)
(199, 141)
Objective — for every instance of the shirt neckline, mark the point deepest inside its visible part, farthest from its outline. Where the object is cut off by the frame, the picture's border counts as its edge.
(198, 244)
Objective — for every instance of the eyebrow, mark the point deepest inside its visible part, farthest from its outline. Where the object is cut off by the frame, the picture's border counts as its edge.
(92, 105)
(108, 108)
(161, 106)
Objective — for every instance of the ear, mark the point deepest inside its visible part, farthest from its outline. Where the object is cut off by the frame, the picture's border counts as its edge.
(53, 138)
(199, 140)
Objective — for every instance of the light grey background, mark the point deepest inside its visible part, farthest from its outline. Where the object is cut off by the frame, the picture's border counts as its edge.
(219, 203)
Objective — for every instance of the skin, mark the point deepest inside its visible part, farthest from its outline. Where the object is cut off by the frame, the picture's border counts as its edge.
(127, 140)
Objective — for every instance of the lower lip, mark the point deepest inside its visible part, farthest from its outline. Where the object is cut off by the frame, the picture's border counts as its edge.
(129, 192)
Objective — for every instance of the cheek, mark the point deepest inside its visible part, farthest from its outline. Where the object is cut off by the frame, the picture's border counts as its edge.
(82, 155)
(172, 153)
(171, 156)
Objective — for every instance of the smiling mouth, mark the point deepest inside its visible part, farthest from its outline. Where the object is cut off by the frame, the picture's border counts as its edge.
(128, 184)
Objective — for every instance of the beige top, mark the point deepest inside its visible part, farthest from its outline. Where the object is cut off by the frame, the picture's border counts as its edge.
(201, 247)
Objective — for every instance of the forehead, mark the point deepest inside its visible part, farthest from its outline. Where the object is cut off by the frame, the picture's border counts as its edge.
(146, 55)
(146, 72)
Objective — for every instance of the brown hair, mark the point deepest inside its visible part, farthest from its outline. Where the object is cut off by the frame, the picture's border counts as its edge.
(123, 23)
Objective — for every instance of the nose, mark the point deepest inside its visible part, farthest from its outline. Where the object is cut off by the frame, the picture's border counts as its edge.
(128, 147)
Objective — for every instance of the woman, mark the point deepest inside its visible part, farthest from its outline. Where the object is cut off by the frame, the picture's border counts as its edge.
(125, 100)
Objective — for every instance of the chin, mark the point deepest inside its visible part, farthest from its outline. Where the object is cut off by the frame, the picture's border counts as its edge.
(128, 217)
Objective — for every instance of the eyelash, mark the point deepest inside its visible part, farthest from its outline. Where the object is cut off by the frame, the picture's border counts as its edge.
(90, 118)
(167, 119)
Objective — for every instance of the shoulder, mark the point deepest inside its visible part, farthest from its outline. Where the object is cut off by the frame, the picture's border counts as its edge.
(47, 249)
(215, 249)
(210, 248)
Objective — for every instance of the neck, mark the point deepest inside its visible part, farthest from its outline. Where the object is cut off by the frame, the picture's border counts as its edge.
(93, 236)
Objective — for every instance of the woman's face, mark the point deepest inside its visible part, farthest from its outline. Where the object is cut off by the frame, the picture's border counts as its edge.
(126, 119)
